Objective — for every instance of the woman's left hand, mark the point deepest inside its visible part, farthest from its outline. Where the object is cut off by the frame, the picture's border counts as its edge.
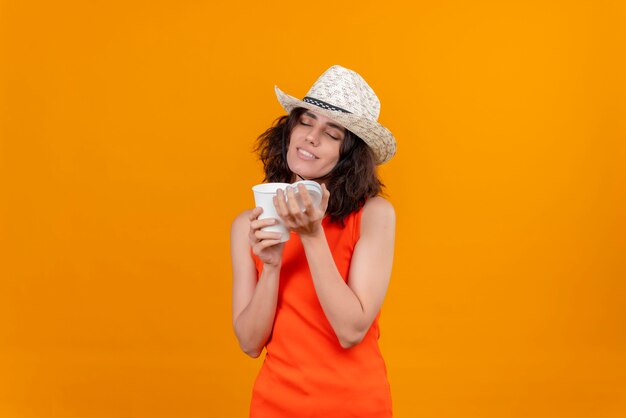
(304, 221)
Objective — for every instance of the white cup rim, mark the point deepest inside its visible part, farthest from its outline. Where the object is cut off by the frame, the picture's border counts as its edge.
(310, 185)
(269, 188)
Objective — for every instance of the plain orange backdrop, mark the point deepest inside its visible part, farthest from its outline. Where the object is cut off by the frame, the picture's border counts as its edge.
(126, 151)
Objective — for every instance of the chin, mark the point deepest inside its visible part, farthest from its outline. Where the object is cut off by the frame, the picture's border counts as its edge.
(307, 171)
(303, 170)
(304, 174)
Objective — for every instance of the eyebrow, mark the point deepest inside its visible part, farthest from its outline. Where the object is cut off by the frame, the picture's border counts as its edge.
(332, 125)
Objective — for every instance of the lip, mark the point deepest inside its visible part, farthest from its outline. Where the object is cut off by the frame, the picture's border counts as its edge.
(306, 156)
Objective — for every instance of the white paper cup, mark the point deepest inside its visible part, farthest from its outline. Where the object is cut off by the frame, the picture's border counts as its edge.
(264, 197)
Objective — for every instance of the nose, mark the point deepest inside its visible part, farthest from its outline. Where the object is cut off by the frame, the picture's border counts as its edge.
(313, 136)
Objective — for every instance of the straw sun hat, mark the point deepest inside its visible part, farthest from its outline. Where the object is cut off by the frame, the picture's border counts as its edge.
(343, 96)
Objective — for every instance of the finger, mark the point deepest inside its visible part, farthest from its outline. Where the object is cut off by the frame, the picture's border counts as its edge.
(280, 204)
(258, 235)
(265, 244)
(306, 199)
(267, 235)
(299, 217)
(260, 223)
(292, 202)
(254, 213)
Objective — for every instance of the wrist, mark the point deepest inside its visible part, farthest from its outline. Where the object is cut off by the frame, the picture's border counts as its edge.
(313, 236)
(273, 269)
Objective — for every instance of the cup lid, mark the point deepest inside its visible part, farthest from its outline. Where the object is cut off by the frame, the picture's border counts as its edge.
(314, 189)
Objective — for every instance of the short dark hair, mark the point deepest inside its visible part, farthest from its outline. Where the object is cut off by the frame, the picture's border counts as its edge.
(351, 182)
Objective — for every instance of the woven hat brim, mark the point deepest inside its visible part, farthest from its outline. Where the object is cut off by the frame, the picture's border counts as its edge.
(375, 135)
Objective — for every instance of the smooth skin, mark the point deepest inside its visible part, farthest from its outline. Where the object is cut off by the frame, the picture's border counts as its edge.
(351, 306)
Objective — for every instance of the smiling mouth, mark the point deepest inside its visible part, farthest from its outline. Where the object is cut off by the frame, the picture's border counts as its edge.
(306, 155)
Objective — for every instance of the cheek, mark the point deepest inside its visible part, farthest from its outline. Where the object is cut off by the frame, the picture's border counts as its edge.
(291, 146)
(337, 150)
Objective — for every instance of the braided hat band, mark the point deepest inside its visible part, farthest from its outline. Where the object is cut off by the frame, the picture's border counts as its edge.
(345, 97)
(323, 105)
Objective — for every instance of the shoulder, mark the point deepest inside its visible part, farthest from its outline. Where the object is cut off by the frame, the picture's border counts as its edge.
(378, 212)
(377, 207)
(241, 221)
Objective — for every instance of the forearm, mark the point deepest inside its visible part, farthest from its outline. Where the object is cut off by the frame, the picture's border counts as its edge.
(340, 304)
(254, 324)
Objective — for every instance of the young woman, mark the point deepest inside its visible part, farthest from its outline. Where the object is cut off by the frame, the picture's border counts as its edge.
(314, 301)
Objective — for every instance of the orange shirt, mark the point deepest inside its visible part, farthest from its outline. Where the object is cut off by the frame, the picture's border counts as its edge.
(306, 373)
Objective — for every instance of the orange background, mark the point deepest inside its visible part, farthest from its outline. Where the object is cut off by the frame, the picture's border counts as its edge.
(126, 136)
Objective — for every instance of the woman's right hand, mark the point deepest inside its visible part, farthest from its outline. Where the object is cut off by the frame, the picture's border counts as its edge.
(265, 244)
